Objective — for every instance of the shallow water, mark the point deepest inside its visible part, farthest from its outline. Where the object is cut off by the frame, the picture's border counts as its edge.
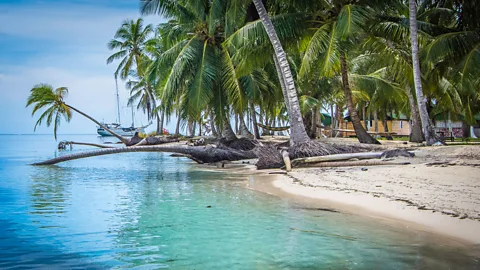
(150, 211)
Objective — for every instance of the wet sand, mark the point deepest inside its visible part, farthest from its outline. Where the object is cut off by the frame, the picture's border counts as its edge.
(439, 192)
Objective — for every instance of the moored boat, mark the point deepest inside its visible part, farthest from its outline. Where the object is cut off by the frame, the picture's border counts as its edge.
(117, 128)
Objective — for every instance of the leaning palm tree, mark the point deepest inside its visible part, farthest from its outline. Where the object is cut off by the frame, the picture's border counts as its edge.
(427, 126)
(298, 134)
(44, 96)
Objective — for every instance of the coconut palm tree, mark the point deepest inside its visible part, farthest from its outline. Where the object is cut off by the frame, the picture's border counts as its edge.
(44, 96)
(298, 134)
(196, 73)
(428, 130)
(338, 31)
(129, 44)
(455, 53)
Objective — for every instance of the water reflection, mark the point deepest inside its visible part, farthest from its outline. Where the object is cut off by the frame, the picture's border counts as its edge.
(49, 191)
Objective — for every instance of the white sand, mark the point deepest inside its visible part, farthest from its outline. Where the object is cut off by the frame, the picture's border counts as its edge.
(442, 198)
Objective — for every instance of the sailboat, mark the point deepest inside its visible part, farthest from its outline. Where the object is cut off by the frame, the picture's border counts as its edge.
(117, 127)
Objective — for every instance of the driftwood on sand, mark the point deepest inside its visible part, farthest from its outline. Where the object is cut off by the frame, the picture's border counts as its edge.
(363, 163)
(329, 160)
(336, 157)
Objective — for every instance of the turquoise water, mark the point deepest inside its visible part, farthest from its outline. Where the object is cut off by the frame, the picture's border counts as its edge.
(151, 211)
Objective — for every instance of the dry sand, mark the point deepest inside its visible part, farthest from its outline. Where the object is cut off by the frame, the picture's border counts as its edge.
(438, 192)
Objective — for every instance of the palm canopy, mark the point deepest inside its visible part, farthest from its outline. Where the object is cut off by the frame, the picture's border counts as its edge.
(129, 44)
(44, 96)
(195, 73)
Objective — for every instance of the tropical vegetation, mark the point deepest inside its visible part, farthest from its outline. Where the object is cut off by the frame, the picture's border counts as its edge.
(282, 63)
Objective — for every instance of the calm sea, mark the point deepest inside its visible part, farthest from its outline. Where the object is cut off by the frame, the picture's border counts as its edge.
(151, 211)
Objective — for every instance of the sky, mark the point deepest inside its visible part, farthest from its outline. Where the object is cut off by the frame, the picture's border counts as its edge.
(63, 43)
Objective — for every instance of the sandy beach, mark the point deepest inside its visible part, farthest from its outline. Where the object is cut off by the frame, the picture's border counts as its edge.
(439, 191)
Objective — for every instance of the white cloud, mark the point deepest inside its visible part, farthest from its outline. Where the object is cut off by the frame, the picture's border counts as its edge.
(75, 57)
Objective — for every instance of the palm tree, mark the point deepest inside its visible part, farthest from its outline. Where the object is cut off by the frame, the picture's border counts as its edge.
(454, 54)
(195, 72)
(131, 42)
(298, 134)
(338, 31)
(44, 96)
(428, 129)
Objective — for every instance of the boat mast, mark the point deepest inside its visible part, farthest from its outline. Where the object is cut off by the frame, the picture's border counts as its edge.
(118, 102)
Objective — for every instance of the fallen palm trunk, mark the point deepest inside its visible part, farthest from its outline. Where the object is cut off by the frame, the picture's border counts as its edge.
(357, 163)
(63, 145)
(90, 144)
(336, 157)
(137, 141)
(203, 154)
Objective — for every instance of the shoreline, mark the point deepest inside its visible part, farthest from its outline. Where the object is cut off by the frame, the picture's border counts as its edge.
(438, 193)
(409, 217)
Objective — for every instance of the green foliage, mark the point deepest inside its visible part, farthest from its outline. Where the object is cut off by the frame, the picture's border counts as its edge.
(43, 96)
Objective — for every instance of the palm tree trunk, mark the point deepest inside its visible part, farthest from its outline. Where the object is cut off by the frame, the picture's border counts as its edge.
(298, 134)
(385, 126)
(364, 115)
(121, 138)
(162, 121)
(375, 120)
(428, 129)
(210, 155)
(228, 133)
(362, 134)
(237, 130)
(318, 123)
(282, 82)
(212, 123)
(243, 129)
(177, 127)
(416, 126)
(253, 114)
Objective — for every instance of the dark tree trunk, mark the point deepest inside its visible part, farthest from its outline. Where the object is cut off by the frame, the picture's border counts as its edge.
(362, 134)
(333, 120)
(194, 128)
(385, 126)
(308, 122)
(212, 124)
(177, 127)
(316, 122)
(253, 114)
(416, 134)
(364, 115)
(237, 129)
(244, 132)
(375, 119)
(465, 130)
(228, 133)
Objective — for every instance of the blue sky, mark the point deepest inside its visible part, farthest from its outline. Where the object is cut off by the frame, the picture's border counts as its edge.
(63, 43)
